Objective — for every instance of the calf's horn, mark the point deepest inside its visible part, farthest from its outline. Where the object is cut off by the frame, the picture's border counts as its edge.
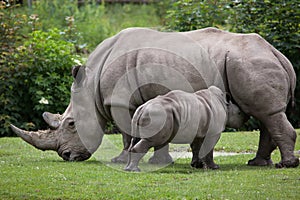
(42, 139)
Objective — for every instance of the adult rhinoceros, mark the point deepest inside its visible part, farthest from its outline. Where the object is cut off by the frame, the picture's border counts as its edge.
(138, 64)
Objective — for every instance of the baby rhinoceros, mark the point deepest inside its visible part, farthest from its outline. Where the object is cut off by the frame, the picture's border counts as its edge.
(183, 118)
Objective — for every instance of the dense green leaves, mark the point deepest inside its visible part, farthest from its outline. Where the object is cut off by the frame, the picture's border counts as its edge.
(187, 15)
(36, 79)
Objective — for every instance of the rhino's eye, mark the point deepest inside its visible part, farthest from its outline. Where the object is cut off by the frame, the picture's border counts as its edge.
(71, 123)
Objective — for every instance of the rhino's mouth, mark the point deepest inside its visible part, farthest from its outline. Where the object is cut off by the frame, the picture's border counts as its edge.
(68, 155)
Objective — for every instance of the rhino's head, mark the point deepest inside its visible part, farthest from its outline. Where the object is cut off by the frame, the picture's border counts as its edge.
(62, 137)
(236, 118)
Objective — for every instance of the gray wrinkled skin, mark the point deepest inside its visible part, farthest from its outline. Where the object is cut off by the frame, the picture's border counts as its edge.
(183, 118)
(64, 139)
(259, 78)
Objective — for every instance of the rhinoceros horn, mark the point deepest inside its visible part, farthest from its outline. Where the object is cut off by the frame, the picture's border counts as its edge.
(41, 139)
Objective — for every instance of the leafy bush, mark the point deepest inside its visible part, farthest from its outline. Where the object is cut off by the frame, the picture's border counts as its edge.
(10, 37)
(187, 15)
(37, 80)
(277, 21)
(93, 22)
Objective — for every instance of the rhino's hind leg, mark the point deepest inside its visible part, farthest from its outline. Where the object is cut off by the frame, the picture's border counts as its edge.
(284, 135)
(136, 152)
(161, 156)
(265, 148)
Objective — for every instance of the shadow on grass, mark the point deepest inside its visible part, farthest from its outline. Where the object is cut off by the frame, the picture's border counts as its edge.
(181, 166)
(187, 169)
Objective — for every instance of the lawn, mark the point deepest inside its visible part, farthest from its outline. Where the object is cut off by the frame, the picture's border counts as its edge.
(27, 173)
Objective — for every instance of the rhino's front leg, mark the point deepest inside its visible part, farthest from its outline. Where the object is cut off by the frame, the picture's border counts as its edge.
(196, 145)
(161, 156)
(207, 162)
(123, 157)
(265, 148)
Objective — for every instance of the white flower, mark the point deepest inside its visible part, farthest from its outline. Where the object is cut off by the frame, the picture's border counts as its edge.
(77, 62)
(43, 101)
(69, 18)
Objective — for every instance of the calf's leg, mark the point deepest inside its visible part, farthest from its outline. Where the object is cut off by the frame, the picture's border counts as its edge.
(196, 145)
(161, 156)
(135, 154)
(207, 162)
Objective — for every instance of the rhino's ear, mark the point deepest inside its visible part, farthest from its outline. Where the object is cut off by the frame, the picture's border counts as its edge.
(53, 120)
(75, 70)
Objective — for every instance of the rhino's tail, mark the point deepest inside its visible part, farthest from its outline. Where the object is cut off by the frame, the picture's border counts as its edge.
(286, 64)
(135, 121)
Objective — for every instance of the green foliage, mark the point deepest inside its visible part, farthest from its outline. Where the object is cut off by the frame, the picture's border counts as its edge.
(187, 15)
(92, 22)
(277, 21)
(49, 60)
(28, 173)
(10, 37)
(36, 79)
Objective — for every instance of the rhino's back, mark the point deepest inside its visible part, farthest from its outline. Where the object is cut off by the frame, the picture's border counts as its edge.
(252, 65)
(144, 63)
(197, 114)
(221, 44)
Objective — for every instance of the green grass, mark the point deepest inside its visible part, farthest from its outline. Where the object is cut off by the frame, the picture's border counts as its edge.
(27, 173)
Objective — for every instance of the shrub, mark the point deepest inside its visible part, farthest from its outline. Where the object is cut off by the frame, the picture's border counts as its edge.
(185, 15)
(94, 22)
(38, 80)
(10, 37)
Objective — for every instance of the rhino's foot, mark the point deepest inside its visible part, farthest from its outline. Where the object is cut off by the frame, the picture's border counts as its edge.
(161, 159)
(210, 165)
(122, 158)
(260, 162)
(132, 169)
(200, 164)
(288, 163)
(197, 164)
